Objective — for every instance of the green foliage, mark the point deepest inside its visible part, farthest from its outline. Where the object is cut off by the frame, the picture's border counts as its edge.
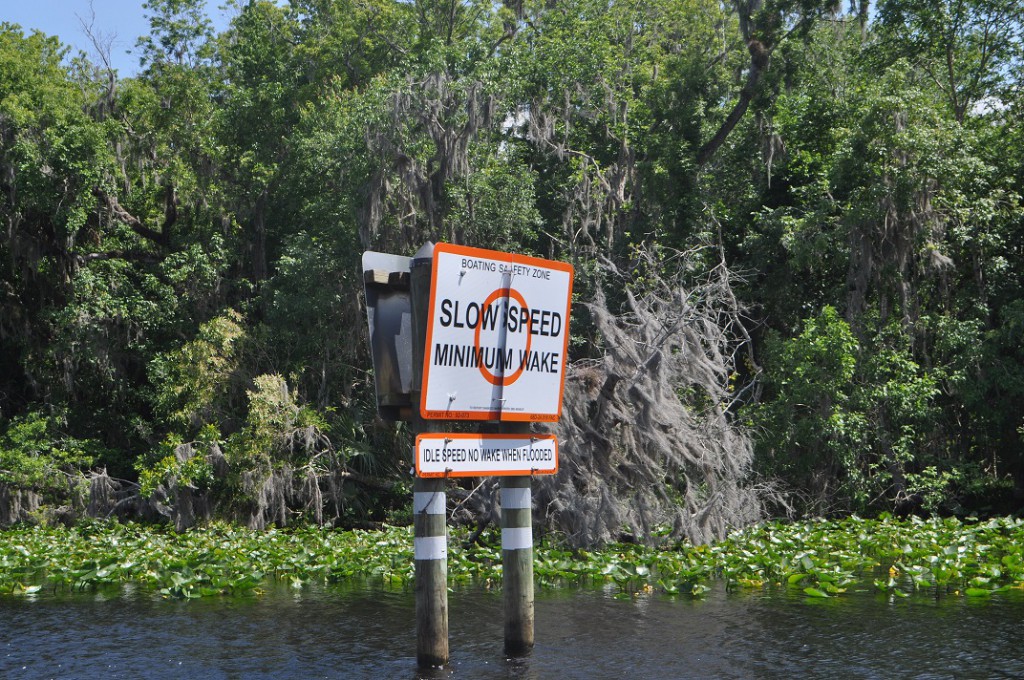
(181, 33)
(174, 244)
(37, 453)
(277, 428)
(193, 382)
(807, 428)
(969, 48)
(884, 149)
(817, 558)
(52, 152)
(171, 466)
(845, 421)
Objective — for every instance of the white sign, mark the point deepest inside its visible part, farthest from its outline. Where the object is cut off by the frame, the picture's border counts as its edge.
(497, 335)
(481, 455)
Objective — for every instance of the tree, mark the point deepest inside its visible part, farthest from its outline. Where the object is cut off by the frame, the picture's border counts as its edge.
(969, 49)
(884, 206)
(179, 278)
(764, 26)
(844, 421)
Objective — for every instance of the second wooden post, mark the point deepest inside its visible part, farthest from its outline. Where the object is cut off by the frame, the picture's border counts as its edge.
(516, 498)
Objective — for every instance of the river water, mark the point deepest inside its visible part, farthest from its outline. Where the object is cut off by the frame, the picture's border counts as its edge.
(581, 633)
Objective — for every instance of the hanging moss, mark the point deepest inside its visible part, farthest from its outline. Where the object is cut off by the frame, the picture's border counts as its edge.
(647, 436)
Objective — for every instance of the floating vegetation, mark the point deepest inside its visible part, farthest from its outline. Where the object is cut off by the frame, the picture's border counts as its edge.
(818, 559)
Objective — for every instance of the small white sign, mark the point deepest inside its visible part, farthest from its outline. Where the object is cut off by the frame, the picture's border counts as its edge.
(481, 455)
(497, 336)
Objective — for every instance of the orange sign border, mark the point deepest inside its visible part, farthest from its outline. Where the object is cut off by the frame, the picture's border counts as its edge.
(455, 436)
(498, 256)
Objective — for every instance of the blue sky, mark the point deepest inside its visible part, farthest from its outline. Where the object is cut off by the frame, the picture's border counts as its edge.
(119, 21)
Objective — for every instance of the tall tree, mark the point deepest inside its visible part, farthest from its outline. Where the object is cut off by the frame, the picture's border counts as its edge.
(970, 49)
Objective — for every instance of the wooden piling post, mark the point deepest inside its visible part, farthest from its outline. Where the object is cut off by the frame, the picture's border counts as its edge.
(430, 534)
(516, 499)
(431, 552)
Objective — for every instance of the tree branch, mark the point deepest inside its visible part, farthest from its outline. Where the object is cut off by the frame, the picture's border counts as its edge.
(759, 56)
(130, 255)
(762, 39)
(161, 238)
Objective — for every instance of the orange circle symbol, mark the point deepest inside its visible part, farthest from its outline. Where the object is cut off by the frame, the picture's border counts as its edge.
(484, 371)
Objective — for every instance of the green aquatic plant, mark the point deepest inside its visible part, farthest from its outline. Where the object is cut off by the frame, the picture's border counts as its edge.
(818, 559)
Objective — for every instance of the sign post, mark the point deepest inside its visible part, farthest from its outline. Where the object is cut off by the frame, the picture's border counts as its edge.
(516, 498)
(430, 532)
(489, 335)
(497, 339)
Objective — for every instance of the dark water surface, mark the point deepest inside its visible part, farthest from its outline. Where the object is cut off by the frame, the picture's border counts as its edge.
(368, 633)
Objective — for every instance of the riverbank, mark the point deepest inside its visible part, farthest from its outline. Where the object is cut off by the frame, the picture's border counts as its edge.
(818, 558)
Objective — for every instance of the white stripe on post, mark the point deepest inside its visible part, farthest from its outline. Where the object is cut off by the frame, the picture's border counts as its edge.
(430, 548)
(516, 498)
(432, 502)
(516, 538)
